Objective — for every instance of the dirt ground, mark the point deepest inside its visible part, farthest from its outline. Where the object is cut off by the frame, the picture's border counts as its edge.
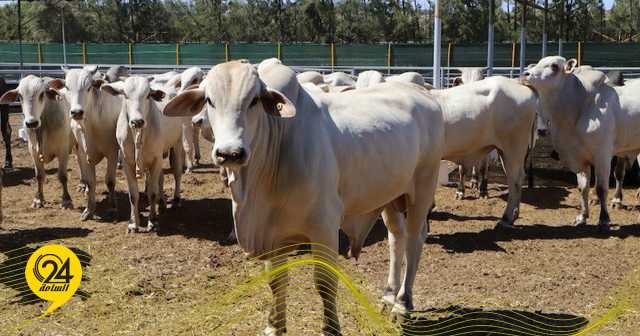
(186, 280)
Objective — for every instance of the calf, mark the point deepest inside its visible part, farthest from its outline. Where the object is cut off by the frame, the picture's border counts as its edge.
(49, 131)
(97, 115)
(589, 123)
(145, 136)
(299, 171)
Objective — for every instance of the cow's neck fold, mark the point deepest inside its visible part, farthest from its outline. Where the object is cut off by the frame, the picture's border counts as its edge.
(563, 105)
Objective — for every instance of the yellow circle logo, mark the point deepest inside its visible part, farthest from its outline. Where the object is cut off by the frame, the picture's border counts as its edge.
(53, 273)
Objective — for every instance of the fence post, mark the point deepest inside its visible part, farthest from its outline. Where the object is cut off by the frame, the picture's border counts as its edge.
(279, 51)
(40, 58)
(389, 56)
(513, 58)
(177, 53)
(130, 54)
(449, 58)
(226, 51)
(579, 53)
(84, 53)
(332, 55)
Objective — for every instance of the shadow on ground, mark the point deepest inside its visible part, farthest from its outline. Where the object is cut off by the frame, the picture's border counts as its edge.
(12, 268)
(456, 320)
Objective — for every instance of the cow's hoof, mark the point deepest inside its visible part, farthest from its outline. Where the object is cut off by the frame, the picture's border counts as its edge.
(37, 203)
(176, 202)
(8, 165)
(119, 166)
(189, 170)
(484, 195)
(616, 203)
(604, 227)
(83, 188)
(271, 331)
(66, 204)
(86, 215)
(580, 221)
(504, 225)
(474, 184)
(152, 225)
(197, 163)
(132, 228)
(399, 314)
(459, 195)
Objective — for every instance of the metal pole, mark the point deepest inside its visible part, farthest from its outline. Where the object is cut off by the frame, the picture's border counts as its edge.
(561, 28)
(544, 28)
(490, 51)
(20, 34)
(523, 37)
(64, 44)
(437, 82)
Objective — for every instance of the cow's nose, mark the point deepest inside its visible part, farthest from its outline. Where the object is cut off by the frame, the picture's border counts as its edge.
(526, 74)
(32, 123)
(231, 156)
(137, 123)
(77, 114)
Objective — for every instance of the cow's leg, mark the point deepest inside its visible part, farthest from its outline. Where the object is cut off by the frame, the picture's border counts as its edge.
(326, 283)
(514, 168)
(474, 177)
(153, 193)
(196, 145)
(91, 192)
(483, 174)
(187, 145)
(618, 173)
(396, 227)
(63, 161)
(134, 196)
(6, 137)
(584, 178)
(38, 200)
(81, 157)
(110, 181)
(177, 177)
(416, 233)
(461, 173)
(278, 282)
(603, 171)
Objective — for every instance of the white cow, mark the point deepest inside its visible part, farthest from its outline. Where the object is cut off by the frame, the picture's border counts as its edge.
(49, 131)
(494, 113)
(301, 170)
(589, 121)
(313, 77)
(409, 77)
(339, 79)
(190, 135)
(145, 136)
(96, 115)
(369, 78)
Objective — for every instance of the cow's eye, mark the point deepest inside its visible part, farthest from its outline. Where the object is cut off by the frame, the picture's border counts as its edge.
(254, 102)
(210, 102)
(554, 67)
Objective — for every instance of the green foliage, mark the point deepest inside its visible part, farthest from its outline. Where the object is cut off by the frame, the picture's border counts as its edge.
(320, 21)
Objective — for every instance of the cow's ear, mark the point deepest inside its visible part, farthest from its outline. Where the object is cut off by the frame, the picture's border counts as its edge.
(186, 104)
(570, 66)
(177, 84)
(97, 83)
(157, 95)
(111, 89)
(277, 104)
(9, 97)
(56, 84)
(51, 93)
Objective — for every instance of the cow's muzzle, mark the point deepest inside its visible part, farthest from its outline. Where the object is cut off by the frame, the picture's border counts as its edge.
(137, 123)
(32, 123)
(77, 114)
(236, 156)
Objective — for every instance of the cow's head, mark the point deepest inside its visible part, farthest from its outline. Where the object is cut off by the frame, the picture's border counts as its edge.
(549, 73)
(137, 94)
(78, 85)
(236, 99)
(189, 78)
(32, 92)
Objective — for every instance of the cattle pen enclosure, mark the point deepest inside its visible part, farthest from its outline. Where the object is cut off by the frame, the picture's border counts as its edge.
(546, 277)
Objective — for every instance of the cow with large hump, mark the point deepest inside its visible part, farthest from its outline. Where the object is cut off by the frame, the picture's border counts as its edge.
(48, 129)
(145, 137)
(300, 169)
(589, 122)
(494, 113)
(96, 115)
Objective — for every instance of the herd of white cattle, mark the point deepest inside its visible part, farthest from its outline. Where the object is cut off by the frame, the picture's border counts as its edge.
(307, 154)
